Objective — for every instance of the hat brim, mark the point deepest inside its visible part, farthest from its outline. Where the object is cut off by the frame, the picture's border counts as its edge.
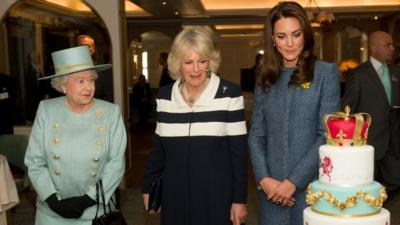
(96, 67)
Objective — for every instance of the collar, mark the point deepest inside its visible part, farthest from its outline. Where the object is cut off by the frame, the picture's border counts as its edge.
(376, 64)
(205, 98)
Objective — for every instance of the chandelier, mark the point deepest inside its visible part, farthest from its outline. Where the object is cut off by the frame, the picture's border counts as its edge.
(318, 17)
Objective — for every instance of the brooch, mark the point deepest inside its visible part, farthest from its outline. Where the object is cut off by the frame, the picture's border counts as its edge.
(305, 85)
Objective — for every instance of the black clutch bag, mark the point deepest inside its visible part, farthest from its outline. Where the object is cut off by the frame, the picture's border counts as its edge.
(155, 195)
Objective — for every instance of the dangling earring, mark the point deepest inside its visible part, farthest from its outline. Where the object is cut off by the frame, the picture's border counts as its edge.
(208, 71)
(273, 43)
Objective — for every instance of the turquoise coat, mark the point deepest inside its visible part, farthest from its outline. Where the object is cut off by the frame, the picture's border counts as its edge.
(69, 152)
(285, 135)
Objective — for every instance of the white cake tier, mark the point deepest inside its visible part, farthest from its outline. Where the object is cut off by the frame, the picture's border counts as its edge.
(346, 165)
(313, 218)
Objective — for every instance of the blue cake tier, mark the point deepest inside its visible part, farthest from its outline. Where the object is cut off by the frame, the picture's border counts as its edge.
(332, 200)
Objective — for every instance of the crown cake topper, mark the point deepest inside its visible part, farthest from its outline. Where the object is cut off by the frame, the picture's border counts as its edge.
(345, 129)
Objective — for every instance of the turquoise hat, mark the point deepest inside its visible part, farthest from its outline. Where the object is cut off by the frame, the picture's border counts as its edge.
(72, 60)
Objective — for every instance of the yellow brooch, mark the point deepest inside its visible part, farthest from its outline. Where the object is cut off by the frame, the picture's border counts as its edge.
(305, 85)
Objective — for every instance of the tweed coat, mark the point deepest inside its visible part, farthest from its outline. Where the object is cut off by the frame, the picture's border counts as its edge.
(200, 152)
(285, 135)
(69, 152)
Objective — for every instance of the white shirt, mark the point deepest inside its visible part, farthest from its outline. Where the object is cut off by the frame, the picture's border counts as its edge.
(377, 66)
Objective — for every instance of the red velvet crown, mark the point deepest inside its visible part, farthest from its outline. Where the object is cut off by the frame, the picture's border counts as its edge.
(345, 129)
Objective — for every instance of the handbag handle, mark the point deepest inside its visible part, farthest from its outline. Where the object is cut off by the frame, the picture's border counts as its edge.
(100, 192)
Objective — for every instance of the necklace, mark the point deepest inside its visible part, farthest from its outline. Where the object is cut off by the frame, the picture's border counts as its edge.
(192, 98)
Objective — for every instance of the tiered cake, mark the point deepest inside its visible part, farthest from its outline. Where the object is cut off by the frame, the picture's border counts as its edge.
(346, 193)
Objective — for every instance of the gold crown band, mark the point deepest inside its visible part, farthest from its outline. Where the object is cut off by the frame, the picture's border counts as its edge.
(68, 67)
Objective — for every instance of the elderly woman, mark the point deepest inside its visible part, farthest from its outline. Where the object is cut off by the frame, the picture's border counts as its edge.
(76, 140)
(200, 144)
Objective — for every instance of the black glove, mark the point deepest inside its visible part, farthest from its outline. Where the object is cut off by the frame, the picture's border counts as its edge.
(61, 209)
(70, 207)
(78, 204)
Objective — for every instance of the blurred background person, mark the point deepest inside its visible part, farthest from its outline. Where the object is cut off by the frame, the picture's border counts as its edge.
(254, 70)
(76, 140)
(165, 76)
(104, 84)
(32, 90)
(294, 91)
(200, 143)
(142, 99)
(8, 101)
(373, 88)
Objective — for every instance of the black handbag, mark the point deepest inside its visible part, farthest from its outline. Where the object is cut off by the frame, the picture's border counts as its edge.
(110, 217)
(155, 195)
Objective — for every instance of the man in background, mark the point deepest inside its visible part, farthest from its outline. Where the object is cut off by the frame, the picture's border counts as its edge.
(165, 77)
(141, 99)
(104, 82)
(7, 104)
(254, 70)
(374, 87)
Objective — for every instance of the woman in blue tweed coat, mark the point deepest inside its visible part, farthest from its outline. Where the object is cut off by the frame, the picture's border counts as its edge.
(293, 92)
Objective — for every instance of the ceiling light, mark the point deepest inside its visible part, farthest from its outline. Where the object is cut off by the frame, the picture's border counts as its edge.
(164, 3)
(176, 13)
(241, 35)
(238, 26)
(318, 17)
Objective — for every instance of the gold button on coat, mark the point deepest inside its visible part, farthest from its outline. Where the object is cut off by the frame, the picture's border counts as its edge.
(96, 159)
(99, 143)
(56, 156)
(56, 141)
(57, 172)
(93, 174)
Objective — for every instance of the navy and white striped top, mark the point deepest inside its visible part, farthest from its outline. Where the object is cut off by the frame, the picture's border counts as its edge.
(200, 151)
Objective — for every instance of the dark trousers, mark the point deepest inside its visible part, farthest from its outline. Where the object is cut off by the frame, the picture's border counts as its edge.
(387, 169)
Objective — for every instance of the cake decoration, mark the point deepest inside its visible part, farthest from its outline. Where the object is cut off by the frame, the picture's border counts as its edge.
(345, 192)
(345, 129)
(327, 167)
(351, 201)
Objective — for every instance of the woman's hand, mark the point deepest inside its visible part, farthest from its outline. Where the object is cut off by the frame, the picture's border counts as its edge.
(146, 197)
(146, 201)
(284, 193)
(269, 186)
(238, 213)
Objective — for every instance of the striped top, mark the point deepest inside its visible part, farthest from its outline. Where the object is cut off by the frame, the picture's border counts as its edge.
(201, 154)
(218, 111)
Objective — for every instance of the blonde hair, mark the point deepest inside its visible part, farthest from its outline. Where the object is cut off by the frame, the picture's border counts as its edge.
(199, 39)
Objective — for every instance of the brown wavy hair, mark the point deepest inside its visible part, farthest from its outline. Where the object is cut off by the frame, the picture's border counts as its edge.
(273, 60)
